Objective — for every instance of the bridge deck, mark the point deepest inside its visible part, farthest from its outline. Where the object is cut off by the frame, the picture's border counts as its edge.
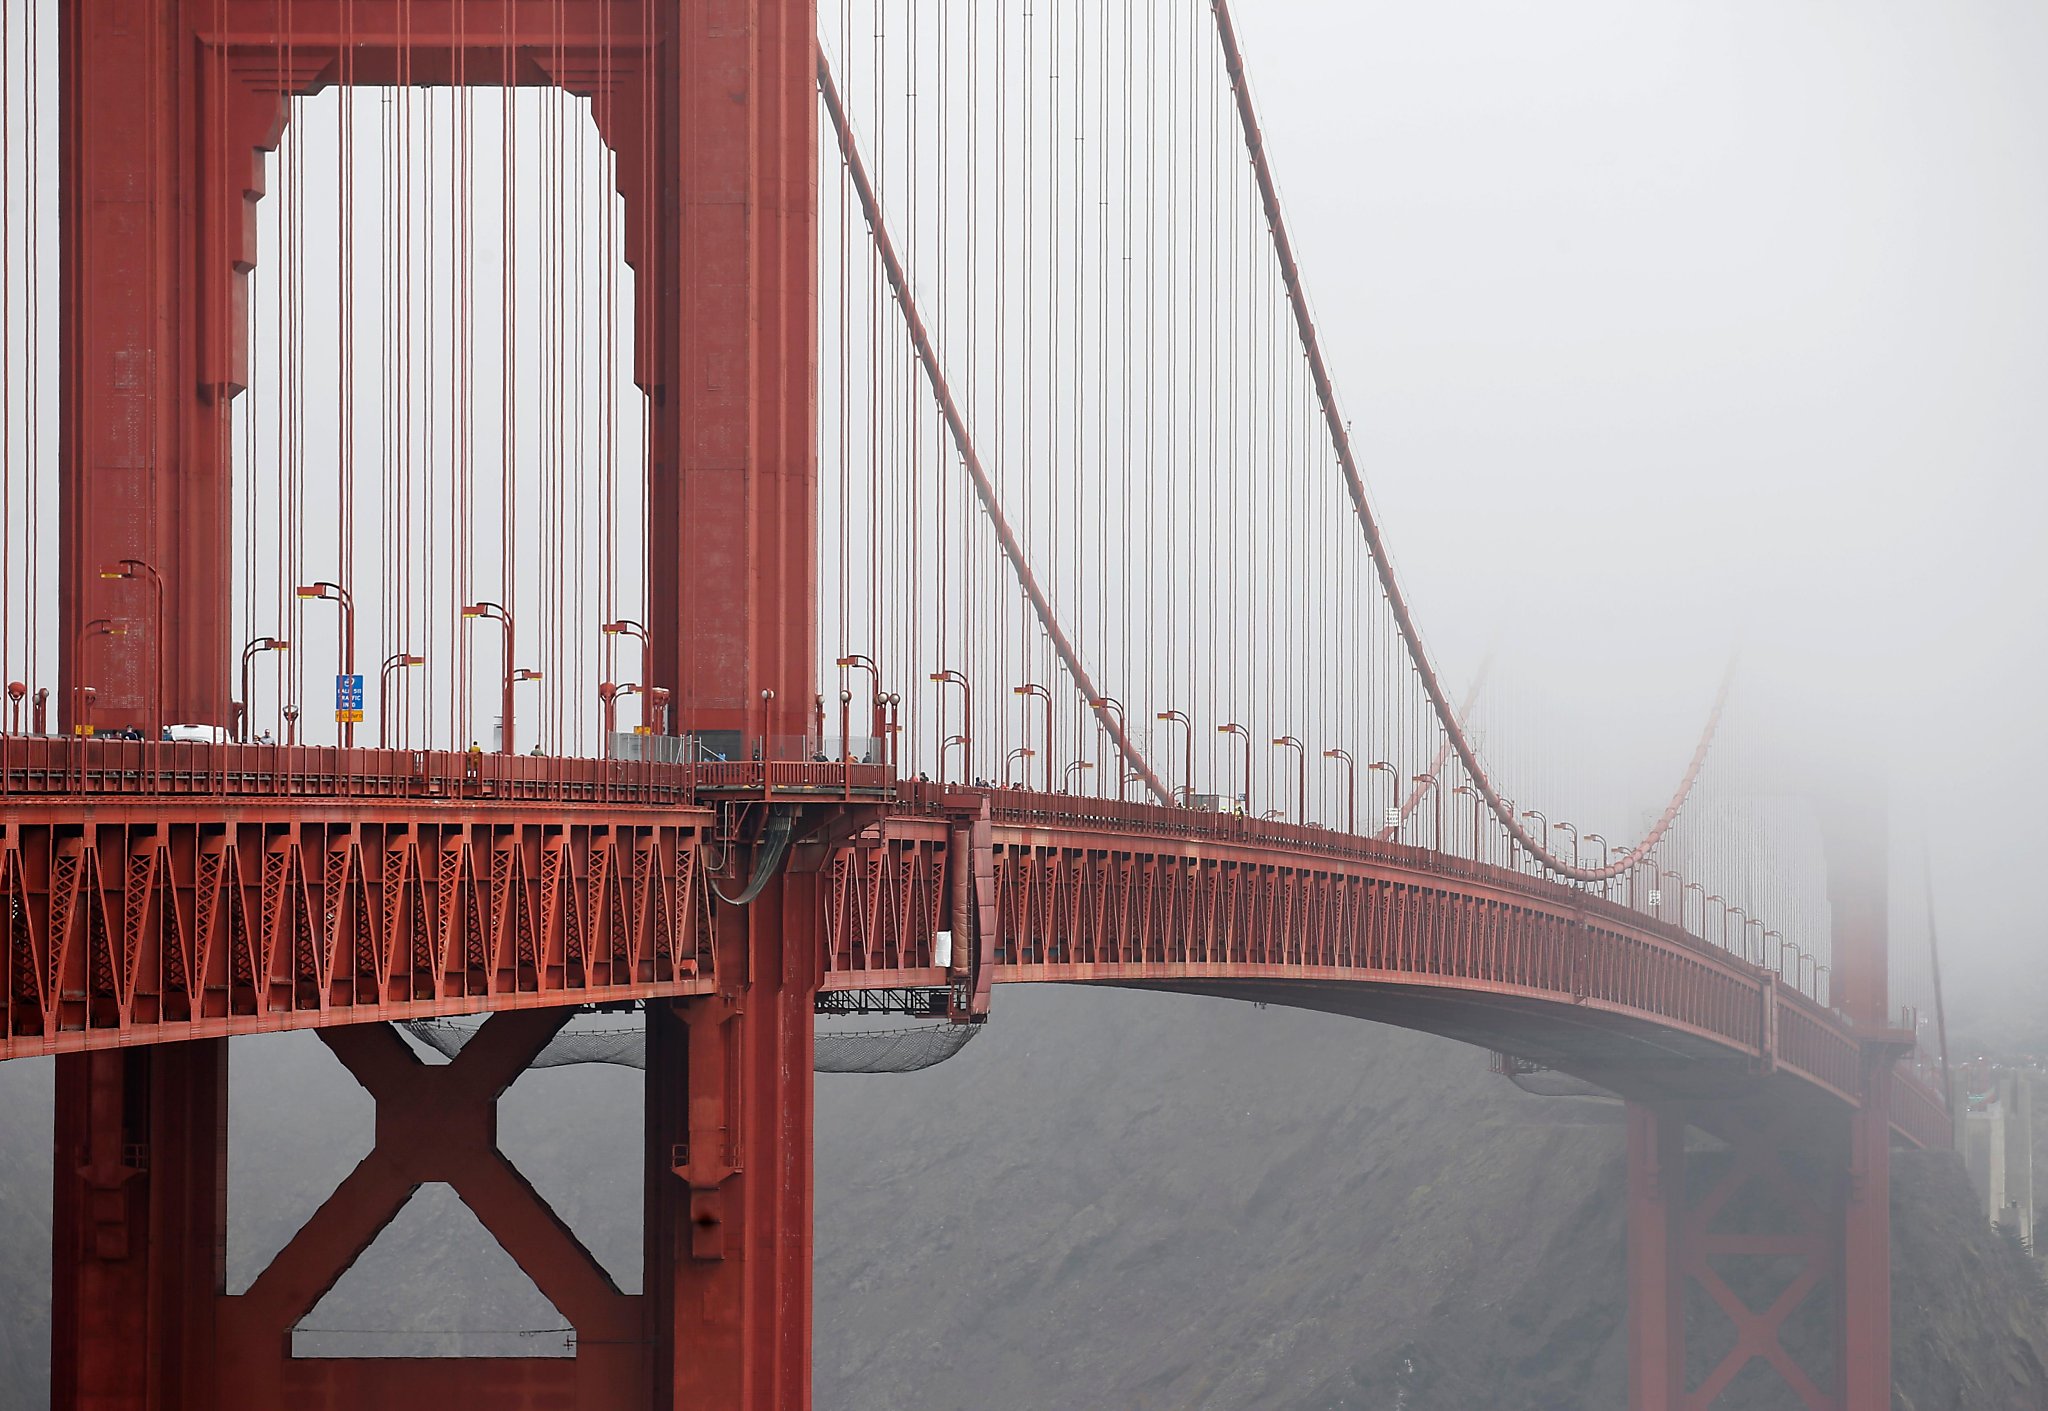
(167, 891)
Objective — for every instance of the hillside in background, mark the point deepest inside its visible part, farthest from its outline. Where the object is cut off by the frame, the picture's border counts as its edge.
(1108, 1200)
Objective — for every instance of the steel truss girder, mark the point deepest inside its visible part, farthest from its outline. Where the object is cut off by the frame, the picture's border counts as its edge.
(1084, 901)
(178, 921)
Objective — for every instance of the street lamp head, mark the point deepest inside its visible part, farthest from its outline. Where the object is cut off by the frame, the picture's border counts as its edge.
(117, 570)
(408, 661)
(318, 590)
(526, 673)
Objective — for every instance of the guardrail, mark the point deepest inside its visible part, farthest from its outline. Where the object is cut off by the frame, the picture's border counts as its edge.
(41, 767)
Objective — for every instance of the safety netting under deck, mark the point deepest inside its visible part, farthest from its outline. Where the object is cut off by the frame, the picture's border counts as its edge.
(903, 1049)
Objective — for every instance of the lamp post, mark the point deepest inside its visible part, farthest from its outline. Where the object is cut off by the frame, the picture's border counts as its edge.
(1478, 804)
(608, 695)
(1701, 889)
(1187, 771)
(1723, 903)
(1436, 810)
(1743, 932)
(1541, 817)
(1022, 752)
(397, 661)
(627, 627)
(334, 592)
(84, 696)
(965, 738)
(1662, 875)
(892, 729)
(1766, 947)
(1077, 767)
(1573, 830)
(1799, 963)
(1032, 688)
(291, 723)
(1607, 884)
(16, 692)
(249, 651)
(495, 612)
(1350, 788)
(1112, 704)
(524, 674)
(1233, 728)
(1392, 817)
(1288, 742)
(856, 662)
(128, 568)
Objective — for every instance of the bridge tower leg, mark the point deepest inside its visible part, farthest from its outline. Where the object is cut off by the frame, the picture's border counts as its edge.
(729, 1198)
(1856, 837)
(138, 1248)
(1656, 1282)
(1812, 1196)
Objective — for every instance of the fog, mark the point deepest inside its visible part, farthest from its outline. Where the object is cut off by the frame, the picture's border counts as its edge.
(1672, 330)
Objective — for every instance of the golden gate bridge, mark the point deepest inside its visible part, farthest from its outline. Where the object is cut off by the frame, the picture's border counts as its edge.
(837, 508)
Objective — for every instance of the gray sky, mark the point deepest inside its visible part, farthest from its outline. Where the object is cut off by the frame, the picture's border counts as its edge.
(1671, 328)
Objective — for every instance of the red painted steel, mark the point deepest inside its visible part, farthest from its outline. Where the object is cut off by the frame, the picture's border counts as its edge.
(1111, 721)
(166, 110)
(1354, 484)
(1765, 1230)
(434, 1123)
(156, 895)
(1656, 1287)
(213, 891)
(732, 494)
(1097, 891)
(140, 1227)
(158, 892)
